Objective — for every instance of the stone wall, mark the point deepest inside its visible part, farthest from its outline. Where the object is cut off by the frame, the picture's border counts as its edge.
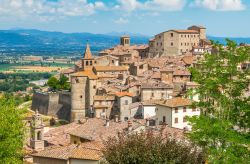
(52, 104)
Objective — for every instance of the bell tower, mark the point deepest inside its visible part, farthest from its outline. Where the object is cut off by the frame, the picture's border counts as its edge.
(87, 61)
(37, 130)
(125, 40)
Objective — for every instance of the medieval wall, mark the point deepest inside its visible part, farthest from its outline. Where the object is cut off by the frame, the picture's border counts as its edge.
(52, 104)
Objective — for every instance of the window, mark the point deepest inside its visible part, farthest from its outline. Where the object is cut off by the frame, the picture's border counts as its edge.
(163, 119)
(184, 109)
(188, 36)
(176, 110)
(77, 80)
(161, 44)
(103, 110)
(181, 35)
(39, 136)
(141, 67)
(162, 94)
(172, 43)
(94, 87)
(81, 96)
(185, 119)
(87, 62)
(172, 35)
(90, 62)
(181, 44)
(176, 120)
(152, 95)
(126, 102)
(113, 61)
(193, 109)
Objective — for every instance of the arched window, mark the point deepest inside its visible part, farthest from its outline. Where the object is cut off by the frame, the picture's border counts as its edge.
(39, 135)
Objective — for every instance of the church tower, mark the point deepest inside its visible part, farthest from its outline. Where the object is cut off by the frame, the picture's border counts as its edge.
(37, 130)
(88, 61)
(125, 41)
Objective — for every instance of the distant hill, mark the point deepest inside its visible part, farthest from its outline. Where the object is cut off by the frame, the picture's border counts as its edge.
(36, 42)
(29, 41)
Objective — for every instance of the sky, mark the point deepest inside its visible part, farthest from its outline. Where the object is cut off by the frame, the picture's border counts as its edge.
(227, 18)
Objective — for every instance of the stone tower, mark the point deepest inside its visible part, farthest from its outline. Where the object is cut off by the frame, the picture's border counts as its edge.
(88, 61)
(125, 40)
(79, 96)
(37, 130)
(201, 30)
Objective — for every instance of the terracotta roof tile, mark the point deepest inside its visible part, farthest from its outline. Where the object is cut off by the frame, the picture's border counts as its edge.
(87, 151)
(122, 94)
(175, 102)
(86, 73)
(110, 68)
(186, 31)
(94, 129)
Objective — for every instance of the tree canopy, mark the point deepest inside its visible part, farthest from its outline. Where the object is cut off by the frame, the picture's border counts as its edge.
(147, 147)
(11, 131)
(222, 130)
(61, 84)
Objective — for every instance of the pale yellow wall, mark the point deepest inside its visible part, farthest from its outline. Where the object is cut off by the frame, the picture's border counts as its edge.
(82, 161)
(42, 160)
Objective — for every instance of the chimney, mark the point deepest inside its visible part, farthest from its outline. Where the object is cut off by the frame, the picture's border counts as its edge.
(129, 126)
(116, 118)
(107, 123)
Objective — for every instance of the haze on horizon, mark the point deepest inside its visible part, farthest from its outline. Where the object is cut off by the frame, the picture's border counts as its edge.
(148, 17)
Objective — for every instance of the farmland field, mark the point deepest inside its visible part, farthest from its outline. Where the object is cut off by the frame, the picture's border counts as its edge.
(32, 67)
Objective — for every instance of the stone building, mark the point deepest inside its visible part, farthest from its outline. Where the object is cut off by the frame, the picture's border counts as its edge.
(176, 42)
(125, 52)
(83, 89)
(155, 91)
(103, 106)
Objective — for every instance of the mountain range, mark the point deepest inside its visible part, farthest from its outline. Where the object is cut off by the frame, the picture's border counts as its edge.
(36, 42)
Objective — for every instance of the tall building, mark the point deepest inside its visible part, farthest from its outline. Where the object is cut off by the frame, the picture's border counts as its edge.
(83, 88)
(37, 130)
(176, 42)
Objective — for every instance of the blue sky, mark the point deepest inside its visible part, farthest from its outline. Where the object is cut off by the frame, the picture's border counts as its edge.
(229, 18)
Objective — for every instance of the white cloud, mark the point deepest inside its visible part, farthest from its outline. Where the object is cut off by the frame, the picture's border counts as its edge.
(121, 21)
(220, 5)
(47, 10)
(153, 5)
(169, 5)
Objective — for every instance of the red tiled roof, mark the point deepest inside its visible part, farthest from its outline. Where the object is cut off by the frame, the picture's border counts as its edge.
(175, 102)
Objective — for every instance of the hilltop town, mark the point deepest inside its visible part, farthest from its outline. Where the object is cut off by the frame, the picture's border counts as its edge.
(126, 88)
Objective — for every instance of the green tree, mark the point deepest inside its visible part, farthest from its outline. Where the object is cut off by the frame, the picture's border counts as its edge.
(222, 130)
(11, 132)
(61, 84)
(53, 83)
(148, 147)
